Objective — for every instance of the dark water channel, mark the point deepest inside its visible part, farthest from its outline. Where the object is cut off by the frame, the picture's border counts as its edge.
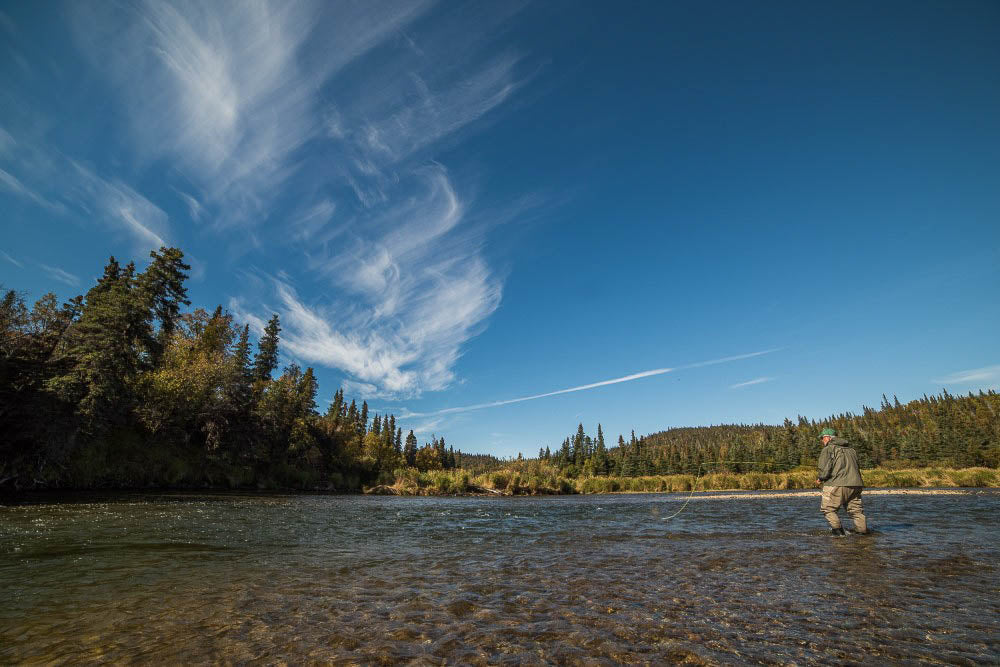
(592, 580)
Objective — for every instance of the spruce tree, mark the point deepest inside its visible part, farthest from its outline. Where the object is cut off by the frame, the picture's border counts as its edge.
(442, 453)
(106, 349)
(241, 355)
(410, 449)
(600, 458)
(565, 455)
(333, 412)
(578, 446)
(217, 335)
(307, 389)
(266, 359)
(161, 290)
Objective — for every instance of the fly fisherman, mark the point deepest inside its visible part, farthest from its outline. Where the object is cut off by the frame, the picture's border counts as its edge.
(841, 480)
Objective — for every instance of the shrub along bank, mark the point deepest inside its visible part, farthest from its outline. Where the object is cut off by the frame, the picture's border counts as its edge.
(544, 480)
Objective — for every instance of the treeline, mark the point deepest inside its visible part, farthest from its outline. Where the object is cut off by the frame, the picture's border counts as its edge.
(120, 388)
(946, 430)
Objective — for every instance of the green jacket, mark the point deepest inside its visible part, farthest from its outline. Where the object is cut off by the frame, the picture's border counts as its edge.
(838, 464)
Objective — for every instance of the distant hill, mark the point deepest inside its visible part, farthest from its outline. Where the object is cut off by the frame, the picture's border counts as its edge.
(945, 429)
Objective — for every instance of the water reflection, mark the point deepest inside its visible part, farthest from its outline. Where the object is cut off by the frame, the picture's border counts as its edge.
(485, 581)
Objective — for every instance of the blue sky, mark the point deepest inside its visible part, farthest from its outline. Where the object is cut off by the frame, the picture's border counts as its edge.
(455, 205)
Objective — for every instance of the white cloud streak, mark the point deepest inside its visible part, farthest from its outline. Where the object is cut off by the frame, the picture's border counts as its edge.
(12, 184)
(122, 207)
(11, 260)
(81, 189)
(413, 113)
(7, 142)
(238, 308)
(748, 383)
(585, 387)
(972, 376)
(58, 274)
(427, 426)
(313, 219)
(193, 205)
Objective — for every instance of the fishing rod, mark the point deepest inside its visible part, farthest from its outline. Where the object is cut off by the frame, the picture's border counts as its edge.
(701, 465)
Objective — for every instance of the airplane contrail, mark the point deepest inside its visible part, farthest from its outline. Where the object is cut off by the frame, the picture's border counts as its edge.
(583, 387)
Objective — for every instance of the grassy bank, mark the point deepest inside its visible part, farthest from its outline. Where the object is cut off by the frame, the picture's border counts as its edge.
(544, 480)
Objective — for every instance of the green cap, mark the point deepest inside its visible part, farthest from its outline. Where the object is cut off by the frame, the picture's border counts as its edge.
(827, 432)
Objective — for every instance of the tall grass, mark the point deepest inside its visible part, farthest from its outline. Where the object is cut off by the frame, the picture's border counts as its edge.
(534, 478)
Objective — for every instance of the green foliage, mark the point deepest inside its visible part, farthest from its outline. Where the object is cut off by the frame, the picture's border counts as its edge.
(499, 481)
(120, 388)
(160, 291)
(410, 450)
(977, 477)
(524, 478)
(267, 352)
(956, 431)
(427, 458)
(379, 452)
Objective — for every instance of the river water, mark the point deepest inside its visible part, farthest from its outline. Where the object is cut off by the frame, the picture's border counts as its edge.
(578, 579)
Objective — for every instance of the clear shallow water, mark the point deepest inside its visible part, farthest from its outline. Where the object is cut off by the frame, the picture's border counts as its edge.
(593, 579)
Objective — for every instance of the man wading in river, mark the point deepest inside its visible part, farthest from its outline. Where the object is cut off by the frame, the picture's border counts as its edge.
(841, 480)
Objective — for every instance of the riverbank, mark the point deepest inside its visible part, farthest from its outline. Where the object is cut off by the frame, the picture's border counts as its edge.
(533, 481)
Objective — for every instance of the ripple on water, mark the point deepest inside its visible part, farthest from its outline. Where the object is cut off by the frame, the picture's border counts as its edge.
(601, 580)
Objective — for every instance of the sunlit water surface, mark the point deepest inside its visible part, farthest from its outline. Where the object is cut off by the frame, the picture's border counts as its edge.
(594, 579)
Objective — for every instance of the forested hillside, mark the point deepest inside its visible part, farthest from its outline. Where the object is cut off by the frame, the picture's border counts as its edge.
(122, 388)
(948, 430)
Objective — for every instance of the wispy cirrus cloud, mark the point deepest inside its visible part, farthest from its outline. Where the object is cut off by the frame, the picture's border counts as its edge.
(59, 274)
(193, 205)
(415, 111)
(749, 383)
(313, 219)
(396, 331)
(228, 91)
(71, 189)
(426, 427)
(315, 129)
(11, 260)
(400, 266)
(12, 184)
(6, 141)
(987, 374)
(120, 207)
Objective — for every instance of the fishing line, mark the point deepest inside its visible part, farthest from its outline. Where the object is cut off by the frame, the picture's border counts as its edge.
(694, 484)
